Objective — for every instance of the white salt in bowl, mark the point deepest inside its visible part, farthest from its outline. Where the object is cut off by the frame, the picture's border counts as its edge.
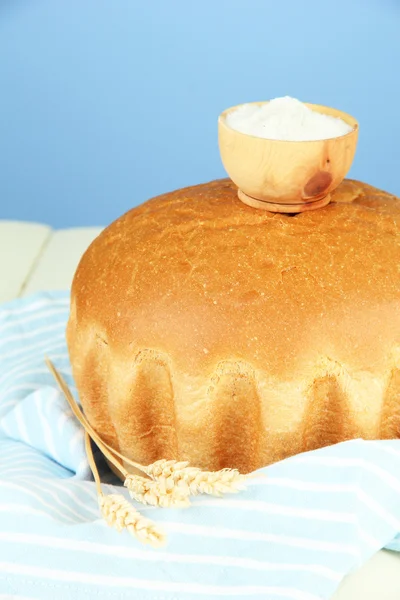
(286, 176)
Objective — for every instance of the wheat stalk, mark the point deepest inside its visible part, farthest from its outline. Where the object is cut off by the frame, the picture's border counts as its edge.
(171, 481)
(119, 513)
(142, 490)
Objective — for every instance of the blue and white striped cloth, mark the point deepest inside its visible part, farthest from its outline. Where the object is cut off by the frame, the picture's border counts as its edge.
(293, 534)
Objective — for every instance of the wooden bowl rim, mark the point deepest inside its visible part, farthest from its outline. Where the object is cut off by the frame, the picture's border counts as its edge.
(346, 117)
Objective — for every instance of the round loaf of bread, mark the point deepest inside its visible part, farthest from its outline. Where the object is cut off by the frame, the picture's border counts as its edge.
(205, 330)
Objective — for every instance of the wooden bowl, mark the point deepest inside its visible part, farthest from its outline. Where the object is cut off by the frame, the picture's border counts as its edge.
(285, 176)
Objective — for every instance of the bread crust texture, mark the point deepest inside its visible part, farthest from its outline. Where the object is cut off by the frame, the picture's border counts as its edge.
(205, 330)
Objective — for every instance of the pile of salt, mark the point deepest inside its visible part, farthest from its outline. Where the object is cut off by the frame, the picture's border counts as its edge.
(286, 119)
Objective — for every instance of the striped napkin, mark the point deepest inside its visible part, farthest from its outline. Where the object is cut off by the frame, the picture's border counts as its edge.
(298, 529)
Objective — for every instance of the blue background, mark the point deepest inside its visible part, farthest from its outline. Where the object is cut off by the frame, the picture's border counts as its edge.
(105, 103)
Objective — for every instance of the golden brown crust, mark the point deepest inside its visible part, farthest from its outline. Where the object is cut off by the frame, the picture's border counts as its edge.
(206, 330)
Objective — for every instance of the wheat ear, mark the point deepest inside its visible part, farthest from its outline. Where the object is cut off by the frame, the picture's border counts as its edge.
(119, 513)
(167, 474)
(157, 493)
(194, 481)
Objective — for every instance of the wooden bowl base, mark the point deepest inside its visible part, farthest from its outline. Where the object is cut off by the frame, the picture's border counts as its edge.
(283, 208)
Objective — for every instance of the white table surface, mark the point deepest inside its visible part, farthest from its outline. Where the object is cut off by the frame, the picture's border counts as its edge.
(34, 257)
